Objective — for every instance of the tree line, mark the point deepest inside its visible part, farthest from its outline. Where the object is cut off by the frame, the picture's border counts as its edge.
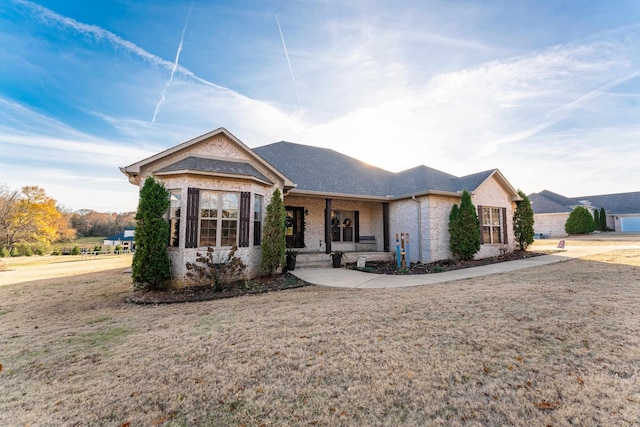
(30, 221)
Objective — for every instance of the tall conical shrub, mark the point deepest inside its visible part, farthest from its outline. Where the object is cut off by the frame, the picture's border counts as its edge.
(523, 222)
(151, 269)
(464, 229)
(274, 242)
(603, 220)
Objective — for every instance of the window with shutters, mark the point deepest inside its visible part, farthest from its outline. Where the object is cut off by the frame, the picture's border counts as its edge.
(173, 217)
(492, 225)
(218, 218)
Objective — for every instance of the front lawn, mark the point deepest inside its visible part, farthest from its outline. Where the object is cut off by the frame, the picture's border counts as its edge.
(554, 345)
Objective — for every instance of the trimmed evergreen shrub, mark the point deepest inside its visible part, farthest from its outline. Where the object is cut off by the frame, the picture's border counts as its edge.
(523, 222)
(603, 219)
(464, 229)
(75, 250)
(580, 222)
(596, 220)
(151, 269)
(274, 242)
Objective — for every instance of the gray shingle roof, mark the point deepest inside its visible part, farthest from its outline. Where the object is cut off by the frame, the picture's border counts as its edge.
(620, 203)
(544, 205)
(213, 165)
(325, 170)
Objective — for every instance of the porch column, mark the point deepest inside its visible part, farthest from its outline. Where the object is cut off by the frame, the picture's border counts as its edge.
(385, 225)
(327, 225)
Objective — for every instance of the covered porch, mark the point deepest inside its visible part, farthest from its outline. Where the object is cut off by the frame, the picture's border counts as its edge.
(323, 260)
(317, 225)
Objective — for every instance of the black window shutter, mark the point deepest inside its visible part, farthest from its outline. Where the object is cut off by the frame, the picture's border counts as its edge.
(193, 211)
(504, 226)
(245, 217)
(480, 219)
(356, 225)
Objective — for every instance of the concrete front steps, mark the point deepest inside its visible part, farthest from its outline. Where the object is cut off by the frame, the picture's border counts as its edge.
(322, 260)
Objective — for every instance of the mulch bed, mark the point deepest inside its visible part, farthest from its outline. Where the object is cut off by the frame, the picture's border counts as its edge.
(383, 267)
(288, 281)
(205, 293)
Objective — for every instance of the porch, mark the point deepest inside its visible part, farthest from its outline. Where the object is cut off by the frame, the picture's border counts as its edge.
(323, 260)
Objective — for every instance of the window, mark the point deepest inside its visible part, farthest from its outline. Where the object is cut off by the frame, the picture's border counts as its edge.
(216, 218)
(229, 216)
(492, 221)
(257, 220)
(208, 218)
(173, 217)
(344, 226)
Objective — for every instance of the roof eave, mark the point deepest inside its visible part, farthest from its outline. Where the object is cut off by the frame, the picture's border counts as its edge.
(456, 194)
(215, 174)
(331, 195)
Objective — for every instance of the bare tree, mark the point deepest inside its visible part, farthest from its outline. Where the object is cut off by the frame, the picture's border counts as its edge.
(8, 207)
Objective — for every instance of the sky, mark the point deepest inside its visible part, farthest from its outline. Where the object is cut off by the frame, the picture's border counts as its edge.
(548, 92)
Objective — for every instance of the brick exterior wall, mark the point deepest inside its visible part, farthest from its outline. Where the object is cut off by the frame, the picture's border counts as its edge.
(550, 225)
(491, 194)
(220, 147)
(370, 221)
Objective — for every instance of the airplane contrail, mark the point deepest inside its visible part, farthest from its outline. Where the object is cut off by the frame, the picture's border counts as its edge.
(295, 86)
(173, 70)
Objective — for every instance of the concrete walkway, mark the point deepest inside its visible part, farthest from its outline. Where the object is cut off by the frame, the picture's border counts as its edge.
(344, 278)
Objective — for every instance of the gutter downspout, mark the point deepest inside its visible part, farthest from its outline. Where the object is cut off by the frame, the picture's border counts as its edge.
(419, 226)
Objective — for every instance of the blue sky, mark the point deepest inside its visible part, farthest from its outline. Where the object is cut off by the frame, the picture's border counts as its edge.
(546, 91)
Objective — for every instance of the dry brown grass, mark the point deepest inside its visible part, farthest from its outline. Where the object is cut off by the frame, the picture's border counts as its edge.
(555, 345)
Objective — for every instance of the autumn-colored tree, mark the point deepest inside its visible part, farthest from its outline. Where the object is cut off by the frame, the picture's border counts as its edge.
(88, 222)
(32, 218)
(66, 232)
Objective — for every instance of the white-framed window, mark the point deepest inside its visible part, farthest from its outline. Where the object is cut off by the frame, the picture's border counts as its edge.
(173, 217)
(257, 220)
(218, 218)
(492, 225)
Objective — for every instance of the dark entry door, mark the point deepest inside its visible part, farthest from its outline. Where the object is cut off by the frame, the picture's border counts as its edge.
(295, 226)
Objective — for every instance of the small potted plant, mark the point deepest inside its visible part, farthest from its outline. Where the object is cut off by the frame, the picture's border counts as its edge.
(336, 257)
(291, 259)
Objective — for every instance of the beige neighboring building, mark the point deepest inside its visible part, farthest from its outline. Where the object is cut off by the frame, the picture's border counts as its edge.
(219, 190)
(551, 211)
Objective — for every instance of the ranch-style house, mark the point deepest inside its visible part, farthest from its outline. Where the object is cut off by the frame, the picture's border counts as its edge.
(219, 190)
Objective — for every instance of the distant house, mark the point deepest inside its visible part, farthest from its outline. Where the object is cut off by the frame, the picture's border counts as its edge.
(552, 210)
(219, 189)
(124, 239)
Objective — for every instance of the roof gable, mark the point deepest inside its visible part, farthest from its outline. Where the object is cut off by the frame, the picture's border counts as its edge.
(239, 152)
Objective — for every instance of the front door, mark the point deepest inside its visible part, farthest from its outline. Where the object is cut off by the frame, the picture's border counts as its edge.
(295, 226)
